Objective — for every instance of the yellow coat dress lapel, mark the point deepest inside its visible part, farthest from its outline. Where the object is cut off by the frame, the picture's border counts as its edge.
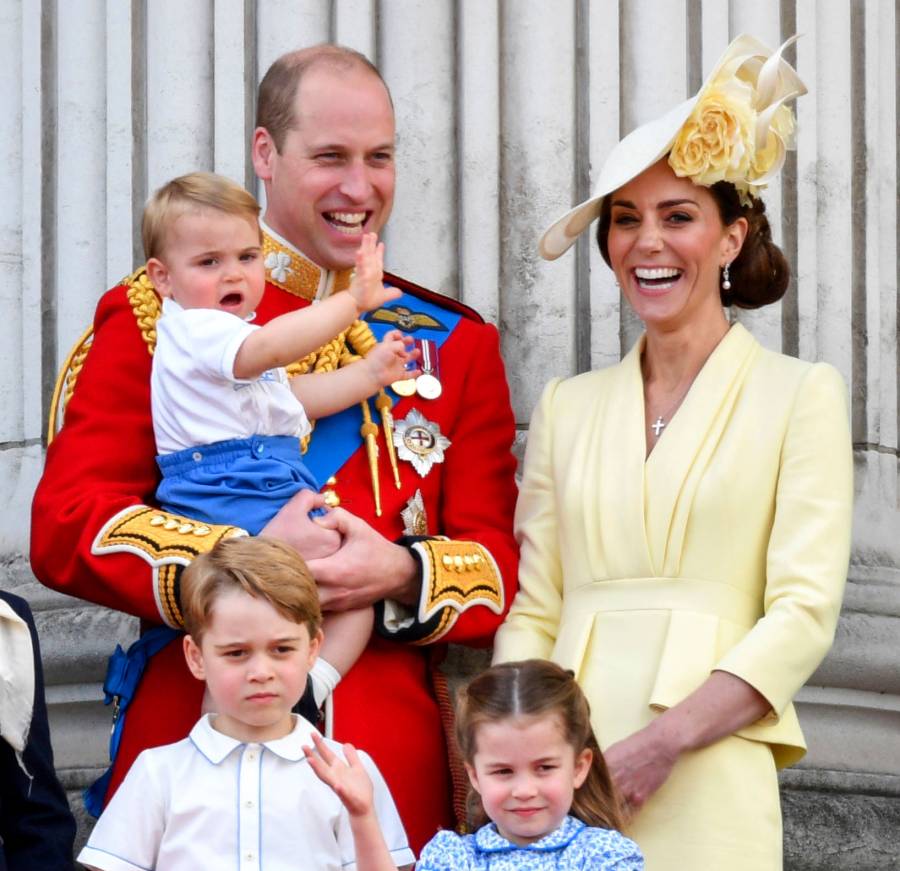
(678, 462)
(617, 545)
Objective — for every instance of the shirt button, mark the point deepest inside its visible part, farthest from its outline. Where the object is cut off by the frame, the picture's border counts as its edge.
(197, 456)
(251, 756)
(248, 803)
(248, 857)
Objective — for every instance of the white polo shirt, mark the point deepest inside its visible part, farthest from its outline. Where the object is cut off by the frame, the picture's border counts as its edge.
(195, 398)
(210, 802)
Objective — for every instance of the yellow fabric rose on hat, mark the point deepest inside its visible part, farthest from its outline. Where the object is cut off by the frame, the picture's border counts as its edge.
(740, 127)
(716, 143)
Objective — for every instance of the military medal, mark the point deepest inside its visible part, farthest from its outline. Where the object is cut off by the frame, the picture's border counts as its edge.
(406, 387)
(428, 384)
(419, 441)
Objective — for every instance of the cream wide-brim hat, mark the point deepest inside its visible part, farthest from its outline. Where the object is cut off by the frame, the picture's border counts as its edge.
(771, 80)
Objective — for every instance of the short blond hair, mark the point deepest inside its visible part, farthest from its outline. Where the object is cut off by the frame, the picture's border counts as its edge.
(261, 567)
(192, 192)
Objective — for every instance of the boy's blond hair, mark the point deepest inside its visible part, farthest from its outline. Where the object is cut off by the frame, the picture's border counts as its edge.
(262, 567)
(192, 192)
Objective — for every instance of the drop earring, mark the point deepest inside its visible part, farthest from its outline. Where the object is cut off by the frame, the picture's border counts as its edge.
(726, 278)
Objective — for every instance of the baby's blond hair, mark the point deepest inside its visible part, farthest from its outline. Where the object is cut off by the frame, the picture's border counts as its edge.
(192, 192)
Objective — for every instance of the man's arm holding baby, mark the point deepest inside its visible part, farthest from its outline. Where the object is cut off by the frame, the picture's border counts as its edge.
(367, 568)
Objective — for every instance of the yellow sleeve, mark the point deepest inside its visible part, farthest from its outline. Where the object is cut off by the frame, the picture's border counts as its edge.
(531, 626)
(809, 546)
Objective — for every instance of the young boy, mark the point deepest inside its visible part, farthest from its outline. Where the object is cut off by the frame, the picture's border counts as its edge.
(239, 792)
(226, 419)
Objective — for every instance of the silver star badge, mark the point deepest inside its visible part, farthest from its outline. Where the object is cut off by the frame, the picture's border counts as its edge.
(420, 442)
(415, 520)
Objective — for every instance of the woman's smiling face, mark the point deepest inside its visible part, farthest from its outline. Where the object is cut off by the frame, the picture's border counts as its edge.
(667, 245)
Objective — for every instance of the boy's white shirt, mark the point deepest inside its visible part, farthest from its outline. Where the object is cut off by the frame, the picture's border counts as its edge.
(210, 801)
(195, 398)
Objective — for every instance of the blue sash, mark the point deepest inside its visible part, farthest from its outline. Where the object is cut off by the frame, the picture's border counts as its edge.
(336, 438)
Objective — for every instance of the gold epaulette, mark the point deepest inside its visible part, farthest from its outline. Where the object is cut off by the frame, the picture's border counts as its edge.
(65, 382)
(147, 308)
(145, 303)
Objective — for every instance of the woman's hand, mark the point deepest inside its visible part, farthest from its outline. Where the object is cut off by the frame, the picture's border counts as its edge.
(640, 764)
(720, 706)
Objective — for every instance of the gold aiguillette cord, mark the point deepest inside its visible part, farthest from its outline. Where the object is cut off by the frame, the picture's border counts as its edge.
(383, 404)
(370, 433)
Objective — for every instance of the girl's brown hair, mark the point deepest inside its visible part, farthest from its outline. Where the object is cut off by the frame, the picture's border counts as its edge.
(536, 687)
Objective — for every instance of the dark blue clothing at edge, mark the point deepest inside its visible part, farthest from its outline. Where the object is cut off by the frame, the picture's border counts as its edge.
(37, 829)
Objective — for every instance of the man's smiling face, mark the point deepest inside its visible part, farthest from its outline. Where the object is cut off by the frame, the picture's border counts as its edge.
(333, 178)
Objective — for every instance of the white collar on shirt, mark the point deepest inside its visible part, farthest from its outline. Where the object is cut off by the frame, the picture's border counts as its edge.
(216, 746)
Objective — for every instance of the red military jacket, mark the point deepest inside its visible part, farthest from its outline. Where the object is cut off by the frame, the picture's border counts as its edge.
(96, 534)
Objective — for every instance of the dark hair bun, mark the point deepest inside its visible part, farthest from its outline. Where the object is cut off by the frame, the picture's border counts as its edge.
(760, 273)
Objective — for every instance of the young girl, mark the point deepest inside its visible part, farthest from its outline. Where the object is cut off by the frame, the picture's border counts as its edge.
(541, 795)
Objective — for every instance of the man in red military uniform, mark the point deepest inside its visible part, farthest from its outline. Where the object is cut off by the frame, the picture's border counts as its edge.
(426, 494)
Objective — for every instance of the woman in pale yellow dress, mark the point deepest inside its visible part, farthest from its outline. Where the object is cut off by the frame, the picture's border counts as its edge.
(684, 516)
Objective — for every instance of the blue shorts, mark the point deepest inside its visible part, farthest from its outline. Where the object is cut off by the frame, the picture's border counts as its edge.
(243, 482)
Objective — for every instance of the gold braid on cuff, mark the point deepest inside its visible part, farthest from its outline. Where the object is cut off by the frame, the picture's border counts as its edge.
(457, 576)
(167, 542)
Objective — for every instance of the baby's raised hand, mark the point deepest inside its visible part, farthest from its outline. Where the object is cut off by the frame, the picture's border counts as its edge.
(349, 779)
(367, 287)
(390, 359)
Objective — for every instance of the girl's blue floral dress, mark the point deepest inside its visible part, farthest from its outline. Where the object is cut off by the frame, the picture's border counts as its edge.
(572, 847)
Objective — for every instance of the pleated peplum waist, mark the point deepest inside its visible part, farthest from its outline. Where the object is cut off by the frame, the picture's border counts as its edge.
(701, 620)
